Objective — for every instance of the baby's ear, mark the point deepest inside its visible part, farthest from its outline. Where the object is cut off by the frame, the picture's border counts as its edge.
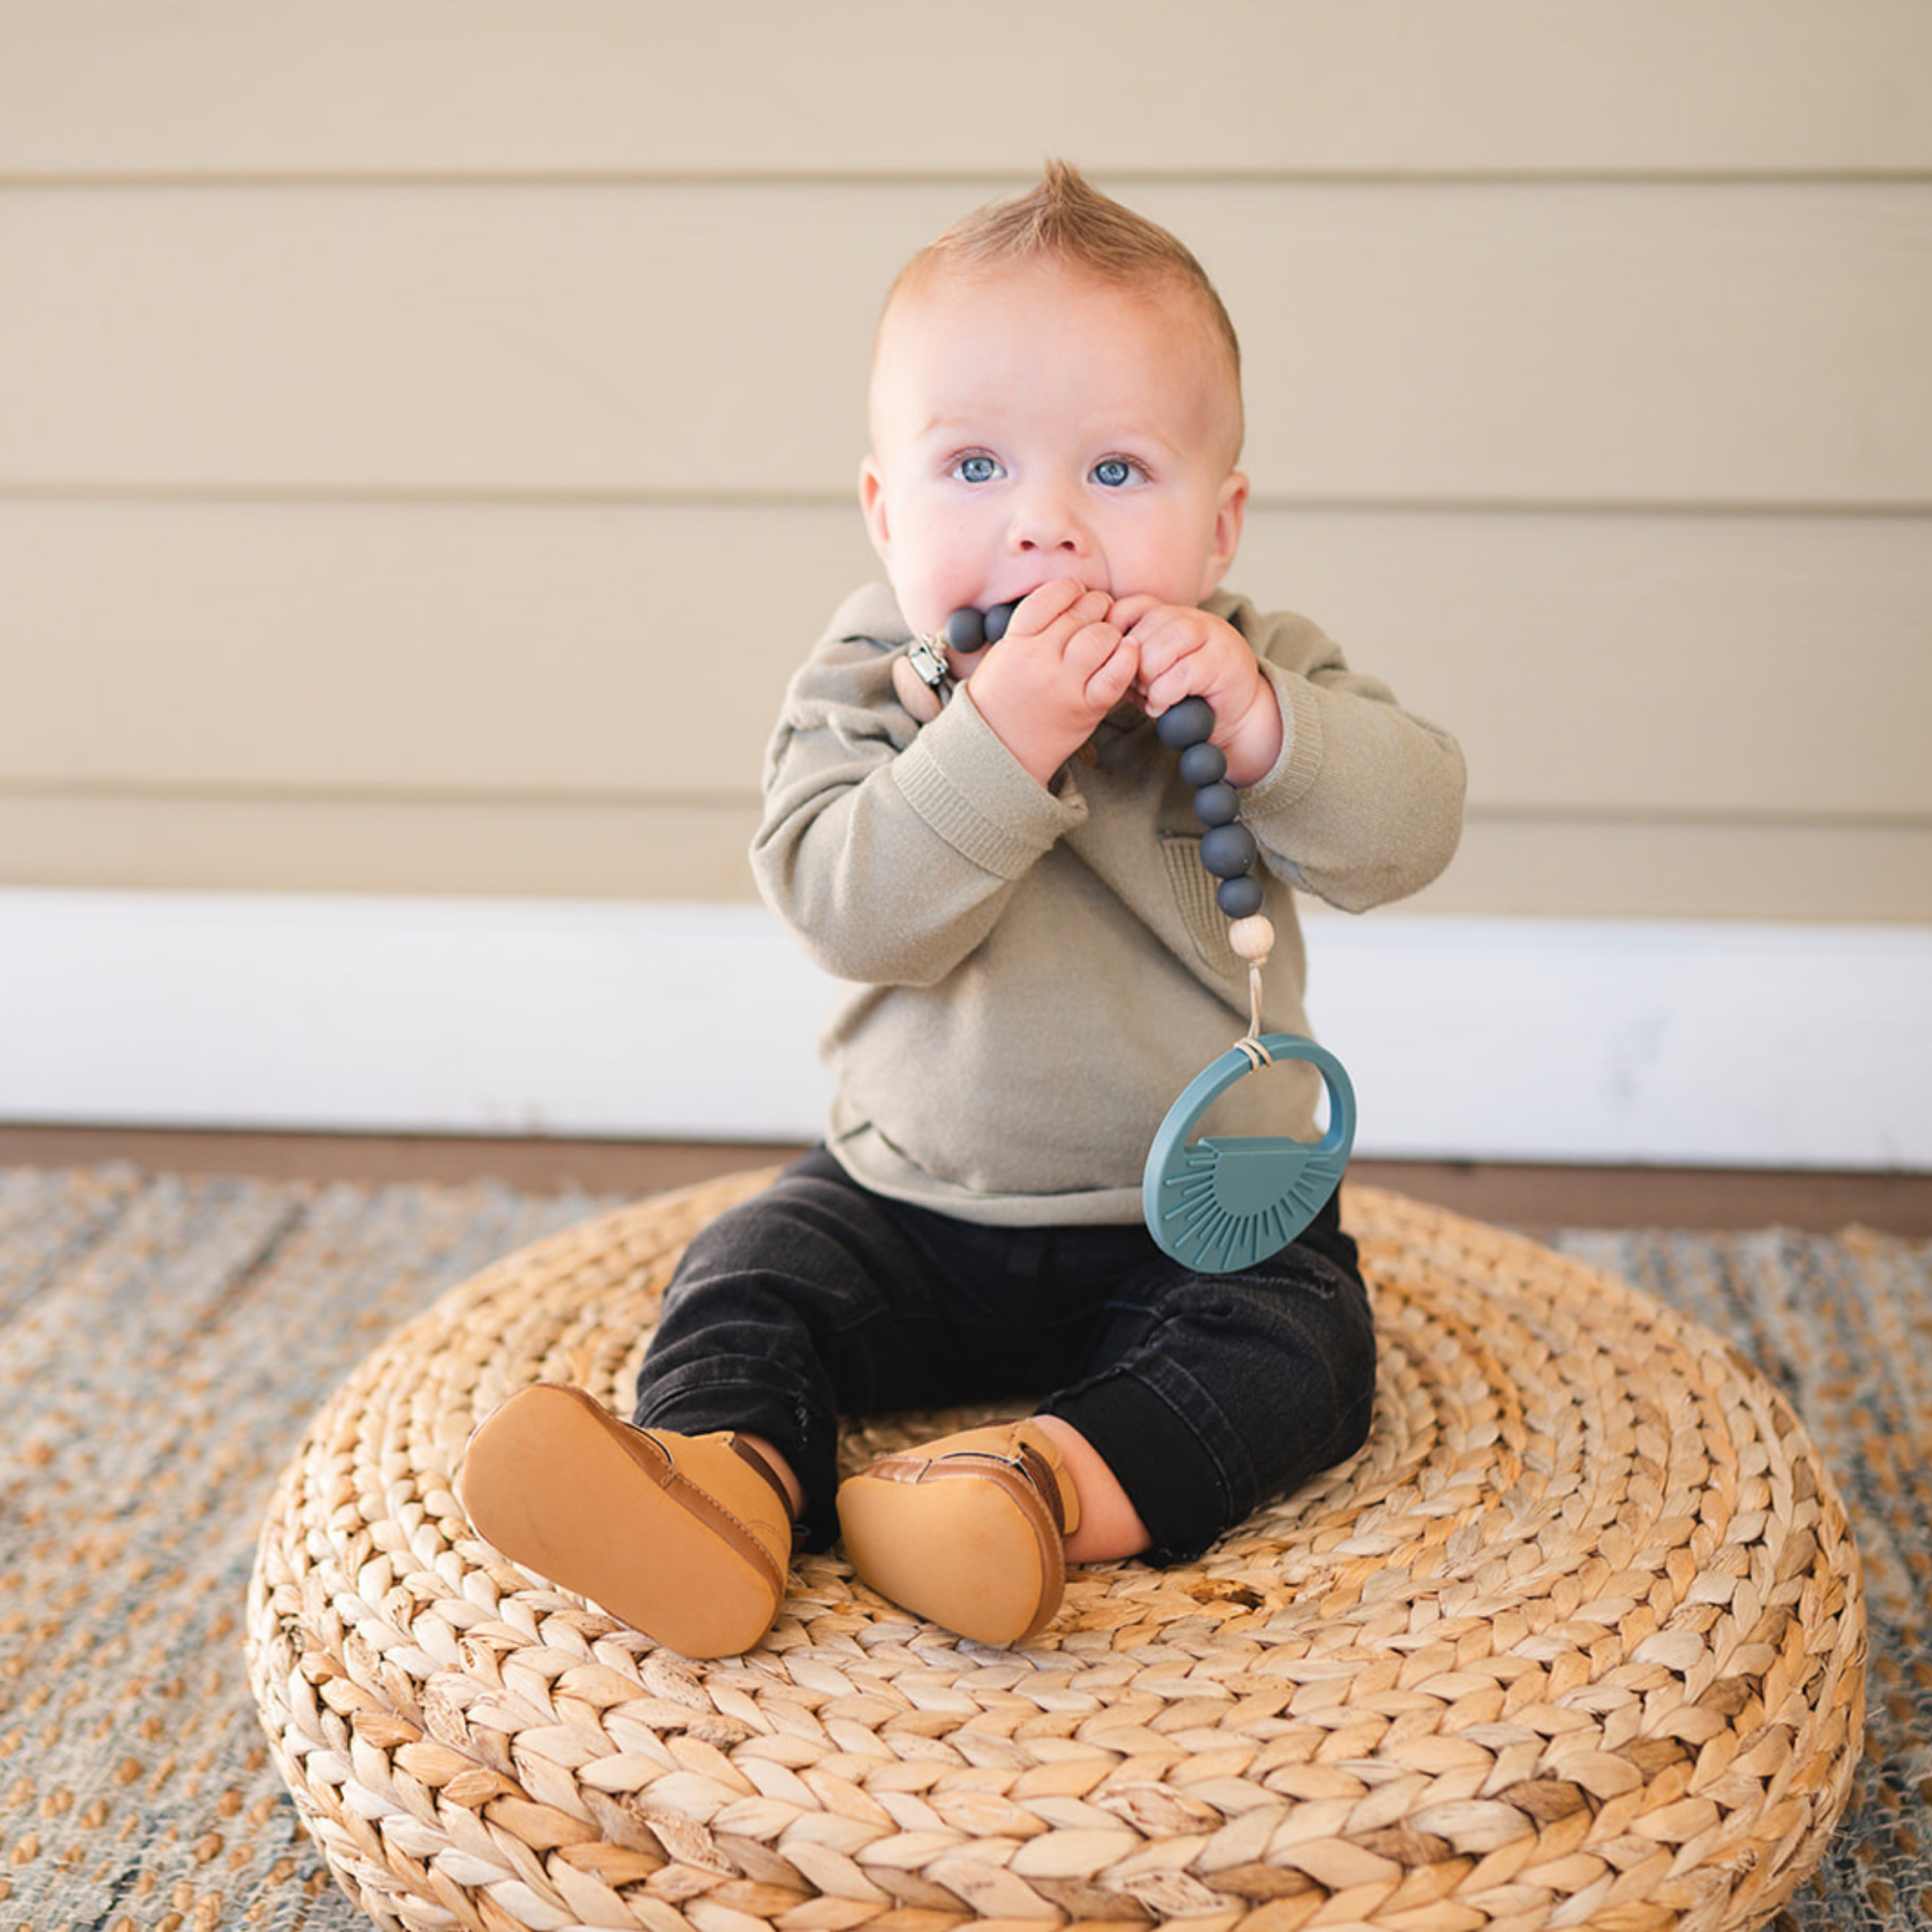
(871, 501)
(1229, 514)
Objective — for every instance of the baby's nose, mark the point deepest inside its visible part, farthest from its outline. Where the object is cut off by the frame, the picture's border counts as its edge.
(1047, 519)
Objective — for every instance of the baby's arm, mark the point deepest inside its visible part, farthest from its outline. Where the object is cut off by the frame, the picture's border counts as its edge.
(889, 849)
(1350, 797)
(1365, 803)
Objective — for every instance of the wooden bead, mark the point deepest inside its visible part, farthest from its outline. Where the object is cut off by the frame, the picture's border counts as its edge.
(1252, 938)
(913, 692)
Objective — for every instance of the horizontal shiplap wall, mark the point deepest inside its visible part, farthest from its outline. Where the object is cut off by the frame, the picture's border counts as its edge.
(504, 698)
(427, 431)
(573, 87)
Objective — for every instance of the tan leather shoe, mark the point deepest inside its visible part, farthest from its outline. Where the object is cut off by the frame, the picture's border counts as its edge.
(968, 1531)
(686, 1538)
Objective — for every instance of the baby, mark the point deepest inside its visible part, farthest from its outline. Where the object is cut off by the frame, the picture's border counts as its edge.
(1037, 967)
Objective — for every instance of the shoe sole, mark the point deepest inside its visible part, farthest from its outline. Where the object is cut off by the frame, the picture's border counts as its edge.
(565, 1491)
(963, 1541)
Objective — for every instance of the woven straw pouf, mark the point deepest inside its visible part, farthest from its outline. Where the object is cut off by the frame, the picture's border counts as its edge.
(1576, 1640)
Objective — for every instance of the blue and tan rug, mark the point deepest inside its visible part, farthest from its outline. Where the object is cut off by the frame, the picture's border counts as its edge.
(164, 1342)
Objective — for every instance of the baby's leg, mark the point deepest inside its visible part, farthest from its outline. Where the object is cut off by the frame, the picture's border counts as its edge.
(806, 1302)
(1202, 1397)
(681, 1523)
(1110, 1527)
(1209, 1395)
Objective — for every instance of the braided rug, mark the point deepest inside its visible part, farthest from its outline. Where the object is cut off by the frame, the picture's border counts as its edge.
(1577, 1639)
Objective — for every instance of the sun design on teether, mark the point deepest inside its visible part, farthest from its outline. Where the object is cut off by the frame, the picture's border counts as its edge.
(1228, 1204)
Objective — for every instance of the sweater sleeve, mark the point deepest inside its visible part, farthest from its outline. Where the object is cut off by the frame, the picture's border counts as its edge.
(890, 851)
(1365, 803)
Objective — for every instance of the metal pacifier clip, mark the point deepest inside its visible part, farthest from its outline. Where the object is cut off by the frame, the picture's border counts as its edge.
(1215, 1205)
(922, 680)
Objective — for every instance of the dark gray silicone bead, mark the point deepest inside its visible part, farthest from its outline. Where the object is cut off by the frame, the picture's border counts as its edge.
(1186, 723)
(1217, 804)
(966, 629)
(997, 620)
(1204, 764)
(1239, 898)
(1228, 851)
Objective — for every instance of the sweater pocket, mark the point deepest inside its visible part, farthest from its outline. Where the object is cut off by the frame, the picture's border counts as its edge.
(1193, 886)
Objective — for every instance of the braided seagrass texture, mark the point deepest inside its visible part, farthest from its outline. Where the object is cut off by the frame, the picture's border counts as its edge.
(1577, 1638)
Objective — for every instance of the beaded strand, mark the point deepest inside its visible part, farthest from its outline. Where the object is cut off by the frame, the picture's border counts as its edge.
(1228, 850)
(968, 630)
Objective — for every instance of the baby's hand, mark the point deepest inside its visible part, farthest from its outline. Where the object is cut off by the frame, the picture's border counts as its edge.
(1184, 653)
(1060, 669)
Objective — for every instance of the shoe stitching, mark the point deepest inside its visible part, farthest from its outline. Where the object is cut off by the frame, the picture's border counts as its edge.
(670, 1478)
(699, 1501)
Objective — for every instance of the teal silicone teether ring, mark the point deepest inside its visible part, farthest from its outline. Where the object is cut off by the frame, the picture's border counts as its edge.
(1217, 1205)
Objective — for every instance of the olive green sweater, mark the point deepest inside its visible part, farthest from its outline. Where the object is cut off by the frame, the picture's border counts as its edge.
(1035, 974)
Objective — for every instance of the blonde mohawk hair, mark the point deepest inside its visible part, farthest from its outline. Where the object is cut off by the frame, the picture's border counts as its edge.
(1064, 219)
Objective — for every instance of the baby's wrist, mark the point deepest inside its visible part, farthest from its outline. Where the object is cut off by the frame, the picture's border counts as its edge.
(1254, 742)
(1038, 753)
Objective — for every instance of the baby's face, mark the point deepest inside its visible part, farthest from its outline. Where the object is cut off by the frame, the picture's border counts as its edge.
(1033, 423)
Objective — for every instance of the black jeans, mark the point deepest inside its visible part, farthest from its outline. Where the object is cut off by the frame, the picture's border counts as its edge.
(1205, 1395)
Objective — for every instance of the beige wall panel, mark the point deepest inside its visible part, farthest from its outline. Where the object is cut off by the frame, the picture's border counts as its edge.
(1648, 345)
(89, 88)
(1640, 344)
(408, 650)
(1658, 869)
(1768, 667)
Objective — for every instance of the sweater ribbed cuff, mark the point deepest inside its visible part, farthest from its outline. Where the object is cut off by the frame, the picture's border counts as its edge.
(1300, 763)
(974, 794)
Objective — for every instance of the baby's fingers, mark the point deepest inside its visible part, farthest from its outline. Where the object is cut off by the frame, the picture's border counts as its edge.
(1128, 611)
(1113, 678)
(1063, 598)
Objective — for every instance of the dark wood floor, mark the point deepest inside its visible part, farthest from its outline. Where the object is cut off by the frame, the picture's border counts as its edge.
(1518, 1195)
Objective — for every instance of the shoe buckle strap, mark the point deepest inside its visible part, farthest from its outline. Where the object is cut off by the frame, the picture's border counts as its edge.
(1041, 1474)
(751, 1459)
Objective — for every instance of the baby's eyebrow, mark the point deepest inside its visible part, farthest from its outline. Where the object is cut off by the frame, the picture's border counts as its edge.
(1136, 442)
(971, 428)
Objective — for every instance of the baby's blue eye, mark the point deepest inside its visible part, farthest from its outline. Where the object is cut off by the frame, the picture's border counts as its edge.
(1113, 471)
(976, 469)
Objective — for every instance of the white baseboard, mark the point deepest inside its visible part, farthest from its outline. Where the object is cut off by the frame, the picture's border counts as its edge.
(1561, 1040)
